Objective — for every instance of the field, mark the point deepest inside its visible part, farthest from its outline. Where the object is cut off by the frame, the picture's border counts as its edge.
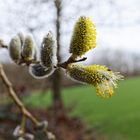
(118, 118)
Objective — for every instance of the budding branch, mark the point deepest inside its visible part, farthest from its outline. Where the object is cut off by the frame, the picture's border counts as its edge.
(17, 101)
(69, 61)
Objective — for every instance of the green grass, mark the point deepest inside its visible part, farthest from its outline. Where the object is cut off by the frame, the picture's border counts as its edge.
(118, 117)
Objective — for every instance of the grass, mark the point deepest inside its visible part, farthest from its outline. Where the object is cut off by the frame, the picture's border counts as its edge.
(118, 117)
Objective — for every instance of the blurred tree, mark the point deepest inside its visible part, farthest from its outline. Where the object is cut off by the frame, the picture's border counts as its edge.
(56, 78)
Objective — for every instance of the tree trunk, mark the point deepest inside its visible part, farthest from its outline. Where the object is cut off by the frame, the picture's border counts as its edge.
(56, 78)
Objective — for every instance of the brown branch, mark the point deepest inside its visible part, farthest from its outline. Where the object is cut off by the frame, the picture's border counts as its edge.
(70, 60)
(18, 102)
(15, 98)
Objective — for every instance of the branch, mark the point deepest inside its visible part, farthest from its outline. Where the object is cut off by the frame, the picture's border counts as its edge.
(14, 96)
(20, 105)
(70, 60)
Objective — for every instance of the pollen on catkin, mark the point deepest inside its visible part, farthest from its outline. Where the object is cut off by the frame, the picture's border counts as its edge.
(15, 49)
(48, 54)
(84, 37)
(103, 79)
(39, 72)
(28, 48)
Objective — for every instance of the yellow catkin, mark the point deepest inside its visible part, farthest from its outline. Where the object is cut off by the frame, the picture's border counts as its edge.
(84, 37)
(99, 76)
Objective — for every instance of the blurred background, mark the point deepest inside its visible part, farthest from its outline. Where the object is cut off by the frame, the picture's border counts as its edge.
(73, 110)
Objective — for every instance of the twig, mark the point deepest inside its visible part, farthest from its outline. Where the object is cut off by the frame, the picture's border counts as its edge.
(18, 102)
(15, 98)
(70, 60)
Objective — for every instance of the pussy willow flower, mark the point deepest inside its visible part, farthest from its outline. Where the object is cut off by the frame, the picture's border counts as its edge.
(22, 136)
(2, 44)
(15, 49)
(39, 72)
(21, 36)
(28, 49)
(49, 51)
(101, 77)
(84, 37)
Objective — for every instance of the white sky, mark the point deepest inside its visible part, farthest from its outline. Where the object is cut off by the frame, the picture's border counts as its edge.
(118, 27)
(127, 38)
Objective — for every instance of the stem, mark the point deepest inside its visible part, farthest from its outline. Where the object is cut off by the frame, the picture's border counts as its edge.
(15, 98)
(22, 128)
(69, 61)
(18, 102)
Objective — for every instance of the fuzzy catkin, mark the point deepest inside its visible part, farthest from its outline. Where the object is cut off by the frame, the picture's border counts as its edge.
(83, 38)
(21, 36)
(15, 49)
(28, 48)
(39, 72)
(103, 79)
(48, 51)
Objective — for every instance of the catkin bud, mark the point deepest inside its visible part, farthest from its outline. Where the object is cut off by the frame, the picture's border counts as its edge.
(48, 51)
(2, 44)
(21, 138)
(39, 72)
(21, 36)
(83, 38)
(15, 49)
(99, 76)
(28, 49)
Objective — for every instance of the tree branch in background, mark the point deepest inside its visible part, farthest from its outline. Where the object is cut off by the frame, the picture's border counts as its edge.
(56, 77)
(25, 113)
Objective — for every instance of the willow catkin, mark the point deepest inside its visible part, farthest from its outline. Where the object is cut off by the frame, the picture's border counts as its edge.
(21, 36)
(39, 72)
(28, 48)
(83, 38)
(15, 49)
(2, 44)
(99, 76)
(48, 53)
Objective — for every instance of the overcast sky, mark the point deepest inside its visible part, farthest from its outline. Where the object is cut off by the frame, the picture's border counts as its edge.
(117, 21)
